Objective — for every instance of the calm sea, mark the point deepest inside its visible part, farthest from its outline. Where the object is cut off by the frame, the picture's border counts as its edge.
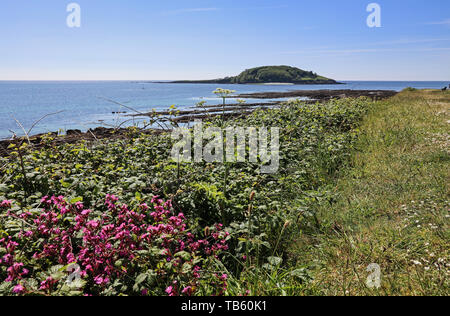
(84, 105)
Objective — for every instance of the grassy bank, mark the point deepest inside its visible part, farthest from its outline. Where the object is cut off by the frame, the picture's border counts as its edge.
(359, 182)
(391, 205)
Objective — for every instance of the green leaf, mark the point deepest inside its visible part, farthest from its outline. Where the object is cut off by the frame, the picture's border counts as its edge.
(187, 267)
(3, 187)
(275, 261)
(64, 184)
(77, 199)
(141, 278)
(183, 254)
(138, 196)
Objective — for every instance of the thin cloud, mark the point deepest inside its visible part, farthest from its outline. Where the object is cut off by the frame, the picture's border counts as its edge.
(411, 41)
(365, 51)
(384, 50)
(190, 10)
(370, 49)
(445, 22)
(194, 10)
(272, 7)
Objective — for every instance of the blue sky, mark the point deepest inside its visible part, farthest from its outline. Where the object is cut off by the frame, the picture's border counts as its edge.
(201, 39)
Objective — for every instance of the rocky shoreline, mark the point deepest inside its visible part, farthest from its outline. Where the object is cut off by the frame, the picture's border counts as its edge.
(321, 95)
(71, 137)
(186, 116)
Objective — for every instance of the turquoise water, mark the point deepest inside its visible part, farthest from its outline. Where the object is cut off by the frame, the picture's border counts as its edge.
(83, 105)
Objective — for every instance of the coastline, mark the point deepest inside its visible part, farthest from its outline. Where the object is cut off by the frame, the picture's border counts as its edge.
(186, 116)
(71, 137)
(320, 94)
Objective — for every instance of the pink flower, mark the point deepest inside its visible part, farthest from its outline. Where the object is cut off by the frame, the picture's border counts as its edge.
(79, 205)
(18, 289)
(70, 236)
(171, 290)
(188, 290)
(92, 224)
(5, 204)
(47, 284)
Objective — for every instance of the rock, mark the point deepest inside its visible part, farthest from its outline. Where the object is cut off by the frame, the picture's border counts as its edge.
(73, 132)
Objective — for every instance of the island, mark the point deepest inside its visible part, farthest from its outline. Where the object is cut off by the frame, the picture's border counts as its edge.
(270, 75)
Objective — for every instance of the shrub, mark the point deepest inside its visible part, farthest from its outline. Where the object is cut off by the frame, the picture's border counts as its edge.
(115, 250)
(409, 89)
(316, 141)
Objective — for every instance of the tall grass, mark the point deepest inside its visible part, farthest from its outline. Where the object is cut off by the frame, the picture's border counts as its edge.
(391, 205)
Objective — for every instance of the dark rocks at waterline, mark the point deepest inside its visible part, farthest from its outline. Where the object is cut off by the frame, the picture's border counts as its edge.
(234, 105)
(71, 137)
(321, 94)
(72, 132)
(236, 110)
(210, 110)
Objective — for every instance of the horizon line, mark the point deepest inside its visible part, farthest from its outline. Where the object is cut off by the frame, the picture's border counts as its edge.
(171, 80)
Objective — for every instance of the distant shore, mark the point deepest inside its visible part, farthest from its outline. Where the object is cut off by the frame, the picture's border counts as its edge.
(304, 82)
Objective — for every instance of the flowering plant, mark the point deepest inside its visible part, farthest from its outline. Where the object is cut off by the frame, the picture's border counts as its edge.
(65, 249)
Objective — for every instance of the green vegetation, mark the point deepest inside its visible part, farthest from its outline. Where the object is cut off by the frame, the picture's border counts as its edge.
(360, 182)
(409, 89)
(390, 206)
(271, 74)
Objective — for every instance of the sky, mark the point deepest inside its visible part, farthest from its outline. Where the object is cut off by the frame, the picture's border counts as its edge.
(207, 39)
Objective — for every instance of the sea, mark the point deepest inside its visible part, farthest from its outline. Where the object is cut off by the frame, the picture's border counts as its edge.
(58, 106)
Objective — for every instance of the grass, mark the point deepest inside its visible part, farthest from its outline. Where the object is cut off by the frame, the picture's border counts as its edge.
(359, 183)
(391, 205)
